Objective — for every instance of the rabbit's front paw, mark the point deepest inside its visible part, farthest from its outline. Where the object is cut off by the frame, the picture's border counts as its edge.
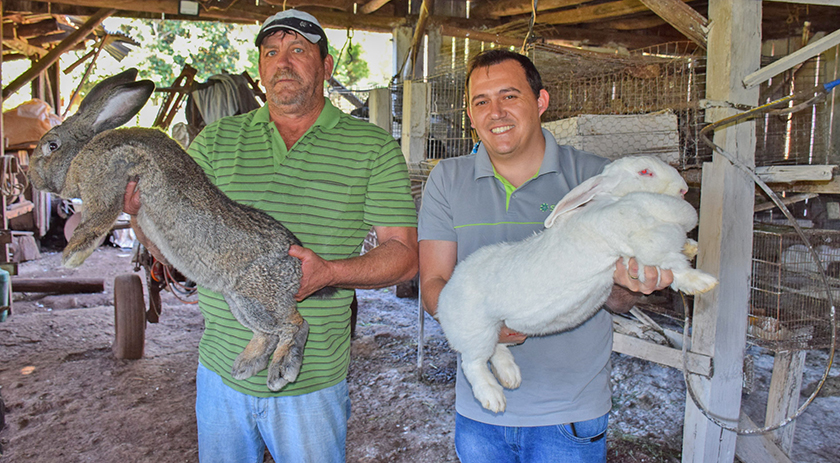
(491, 396)
(75, 253)
(505, 368)
(690, 248)
(693, 281)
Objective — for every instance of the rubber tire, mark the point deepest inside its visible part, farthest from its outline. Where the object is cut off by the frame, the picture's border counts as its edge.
(129, 317)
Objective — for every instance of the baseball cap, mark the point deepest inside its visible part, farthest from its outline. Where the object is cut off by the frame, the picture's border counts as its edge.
(299, 21)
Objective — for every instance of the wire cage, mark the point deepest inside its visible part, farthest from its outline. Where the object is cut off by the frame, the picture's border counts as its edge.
(803, 136)
(646, 102)
(789, 304)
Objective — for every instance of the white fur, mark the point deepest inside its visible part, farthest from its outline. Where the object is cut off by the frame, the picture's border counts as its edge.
(558, 279)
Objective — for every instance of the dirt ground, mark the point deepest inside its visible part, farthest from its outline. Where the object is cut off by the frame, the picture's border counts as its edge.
(69, 399)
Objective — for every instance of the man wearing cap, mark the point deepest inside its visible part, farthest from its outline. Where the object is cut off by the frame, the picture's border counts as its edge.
(328, 178)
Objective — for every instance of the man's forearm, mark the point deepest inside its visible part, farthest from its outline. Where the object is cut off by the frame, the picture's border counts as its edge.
(390, 263)
(621, 299)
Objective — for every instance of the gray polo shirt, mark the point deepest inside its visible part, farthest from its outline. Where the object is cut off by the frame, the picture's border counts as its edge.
(565, 377)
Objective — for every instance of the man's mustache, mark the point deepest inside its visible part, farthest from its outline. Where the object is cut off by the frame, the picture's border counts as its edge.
(286, 74)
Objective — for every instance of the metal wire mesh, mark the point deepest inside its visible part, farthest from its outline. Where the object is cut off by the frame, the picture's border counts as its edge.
(789, 309)
(805, 136)
(601, 100)
(645, 102)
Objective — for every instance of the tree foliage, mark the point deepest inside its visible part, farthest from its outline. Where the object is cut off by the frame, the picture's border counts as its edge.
(350, 69)
(166, 46)
(210, 47)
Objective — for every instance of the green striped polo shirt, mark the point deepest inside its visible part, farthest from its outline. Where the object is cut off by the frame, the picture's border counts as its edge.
(341, 178)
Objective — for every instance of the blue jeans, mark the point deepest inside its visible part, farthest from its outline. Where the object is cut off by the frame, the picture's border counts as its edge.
(234, 427)
(584, 441)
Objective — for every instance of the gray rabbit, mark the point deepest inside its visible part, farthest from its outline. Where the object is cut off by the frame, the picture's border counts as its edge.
(225, 246)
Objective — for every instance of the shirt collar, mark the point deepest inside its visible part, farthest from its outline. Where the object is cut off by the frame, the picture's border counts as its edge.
(328, 118)
(551, 158)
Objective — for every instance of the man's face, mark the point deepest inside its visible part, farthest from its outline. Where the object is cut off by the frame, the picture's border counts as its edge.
(504, 110)
(292, 71)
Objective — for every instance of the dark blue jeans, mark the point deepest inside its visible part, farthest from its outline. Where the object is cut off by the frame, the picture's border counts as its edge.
(584, 441)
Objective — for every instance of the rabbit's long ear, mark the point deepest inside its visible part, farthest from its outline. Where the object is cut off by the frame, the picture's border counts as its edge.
(98, 92)
(581, 195)
(119, 105)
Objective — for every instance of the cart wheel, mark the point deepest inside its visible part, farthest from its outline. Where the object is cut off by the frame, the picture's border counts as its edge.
(129, 317)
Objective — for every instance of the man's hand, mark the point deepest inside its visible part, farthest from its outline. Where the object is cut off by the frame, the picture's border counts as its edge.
(655, 279)
(131, 206)
(131, 201)
(508, 336)
(316, 272)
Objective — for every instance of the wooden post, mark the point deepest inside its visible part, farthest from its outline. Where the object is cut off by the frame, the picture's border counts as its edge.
(379, 105)
(402, 45)
(2, 130)
(415, 121)
(783, 399)
(725, 234)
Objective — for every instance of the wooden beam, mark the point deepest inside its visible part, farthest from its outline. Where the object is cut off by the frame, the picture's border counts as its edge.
(783, 396)
(515, 7)
(757, 448)
(24, 48)
(250, 13)
(592, 36)
(809, 2)
(766, 206)
(26, 31)
(54, 55)
(629, 345)
(683, 17)
(452, 31)
(419, 32)
(790, 174)
(593, 13)
(372, 6)
(807, 52)
(58, 285)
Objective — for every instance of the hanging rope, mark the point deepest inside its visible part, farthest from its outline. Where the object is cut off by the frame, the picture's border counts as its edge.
(531, 23)
(348, 44)
(813, 95)
(11, 168)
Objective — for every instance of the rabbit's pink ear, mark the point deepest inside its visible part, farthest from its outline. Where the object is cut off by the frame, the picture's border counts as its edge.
(581, 195)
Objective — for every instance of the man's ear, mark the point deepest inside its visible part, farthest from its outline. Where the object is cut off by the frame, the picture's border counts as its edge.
(328, 67)
(542, 101)
(470, 116)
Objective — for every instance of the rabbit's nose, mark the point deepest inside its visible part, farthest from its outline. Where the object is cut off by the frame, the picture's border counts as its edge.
(683, 192)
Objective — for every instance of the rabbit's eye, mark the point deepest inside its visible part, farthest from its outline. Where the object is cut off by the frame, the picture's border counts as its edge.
(52, 146)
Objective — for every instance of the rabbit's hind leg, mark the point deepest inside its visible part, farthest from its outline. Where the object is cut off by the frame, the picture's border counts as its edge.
(254, 358)
(288, 356)
(693, 281)
(505, 368)
(485, 388)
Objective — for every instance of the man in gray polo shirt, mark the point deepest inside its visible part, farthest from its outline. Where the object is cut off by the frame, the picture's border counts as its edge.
(504, 192)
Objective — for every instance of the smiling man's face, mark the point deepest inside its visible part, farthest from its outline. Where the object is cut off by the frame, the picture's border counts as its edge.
(504, 110)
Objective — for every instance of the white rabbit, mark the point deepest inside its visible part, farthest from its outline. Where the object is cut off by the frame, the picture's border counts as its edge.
(559, 278)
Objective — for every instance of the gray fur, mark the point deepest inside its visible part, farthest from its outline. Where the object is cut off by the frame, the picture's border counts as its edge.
(222, 245)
